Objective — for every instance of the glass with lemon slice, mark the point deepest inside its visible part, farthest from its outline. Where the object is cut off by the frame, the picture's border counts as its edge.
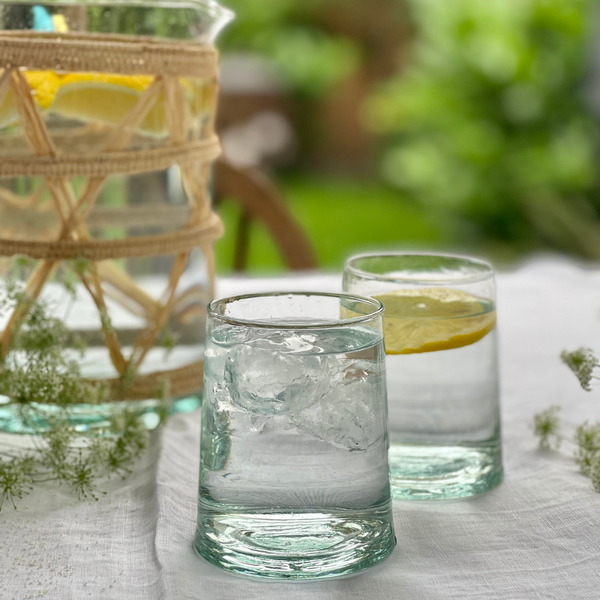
(442, 375)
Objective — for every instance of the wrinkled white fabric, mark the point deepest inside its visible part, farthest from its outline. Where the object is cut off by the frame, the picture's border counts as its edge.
(537, 536)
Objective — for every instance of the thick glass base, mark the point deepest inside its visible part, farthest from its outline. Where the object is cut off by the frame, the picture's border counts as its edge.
(296, 546)
(420, 472)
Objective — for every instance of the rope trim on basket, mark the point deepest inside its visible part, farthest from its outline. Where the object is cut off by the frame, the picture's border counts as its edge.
(181, 381)
(109, 163)
(126, 55)
(176, 242)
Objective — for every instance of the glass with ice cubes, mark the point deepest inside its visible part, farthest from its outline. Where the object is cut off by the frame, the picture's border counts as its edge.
(294, 474)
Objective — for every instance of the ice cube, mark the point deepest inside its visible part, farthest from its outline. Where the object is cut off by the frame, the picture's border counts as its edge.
(244, 423)
(351, 415)
(265, 380)
(218, 396)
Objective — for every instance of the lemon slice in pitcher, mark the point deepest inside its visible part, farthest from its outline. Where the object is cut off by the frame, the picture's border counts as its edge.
(103, 98)
(433, 319)
(43, 85)
(107, 99)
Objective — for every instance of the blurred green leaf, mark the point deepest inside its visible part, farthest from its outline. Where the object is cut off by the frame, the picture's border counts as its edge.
(490, 114)
(310, 58)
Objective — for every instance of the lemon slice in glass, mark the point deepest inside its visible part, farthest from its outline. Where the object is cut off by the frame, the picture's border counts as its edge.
(433, 319)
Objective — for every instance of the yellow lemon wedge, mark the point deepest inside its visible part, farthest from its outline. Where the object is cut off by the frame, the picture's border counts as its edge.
(202, 95)
(107, 99)
(433, 319)
(43, 85)
(102, 97)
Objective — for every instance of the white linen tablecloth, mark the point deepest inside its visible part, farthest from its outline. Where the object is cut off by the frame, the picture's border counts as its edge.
(537, 536)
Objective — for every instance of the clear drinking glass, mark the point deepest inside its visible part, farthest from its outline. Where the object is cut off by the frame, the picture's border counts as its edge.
(294, 470)
(442, 373)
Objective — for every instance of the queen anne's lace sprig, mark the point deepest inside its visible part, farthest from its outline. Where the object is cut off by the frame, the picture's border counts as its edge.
(582, 362)
(37, 370)
(547, 427)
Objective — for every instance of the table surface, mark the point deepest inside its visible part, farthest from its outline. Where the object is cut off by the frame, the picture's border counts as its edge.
(535, 536)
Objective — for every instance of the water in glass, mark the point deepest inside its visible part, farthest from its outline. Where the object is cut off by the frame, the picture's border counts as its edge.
(440, 340)
(294, 471)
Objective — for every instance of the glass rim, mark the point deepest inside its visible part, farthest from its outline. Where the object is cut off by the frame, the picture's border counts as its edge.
(329, 324)
(474, 278)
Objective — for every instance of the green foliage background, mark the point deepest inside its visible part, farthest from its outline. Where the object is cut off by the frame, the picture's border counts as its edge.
(309, 57)
(489, 122)
(487, 129)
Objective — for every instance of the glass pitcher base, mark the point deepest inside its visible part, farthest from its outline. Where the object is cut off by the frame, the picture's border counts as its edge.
(87, 417)
(298, 546)
(420, 472)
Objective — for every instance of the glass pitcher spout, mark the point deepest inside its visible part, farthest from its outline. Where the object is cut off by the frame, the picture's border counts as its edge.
(217, 17)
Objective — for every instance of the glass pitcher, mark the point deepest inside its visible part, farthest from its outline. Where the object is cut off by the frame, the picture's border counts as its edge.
(107, 116)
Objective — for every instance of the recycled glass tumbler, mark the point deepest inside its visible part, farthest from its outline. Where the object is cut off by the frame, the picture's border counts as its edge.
(442, 371)
(294, 469)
